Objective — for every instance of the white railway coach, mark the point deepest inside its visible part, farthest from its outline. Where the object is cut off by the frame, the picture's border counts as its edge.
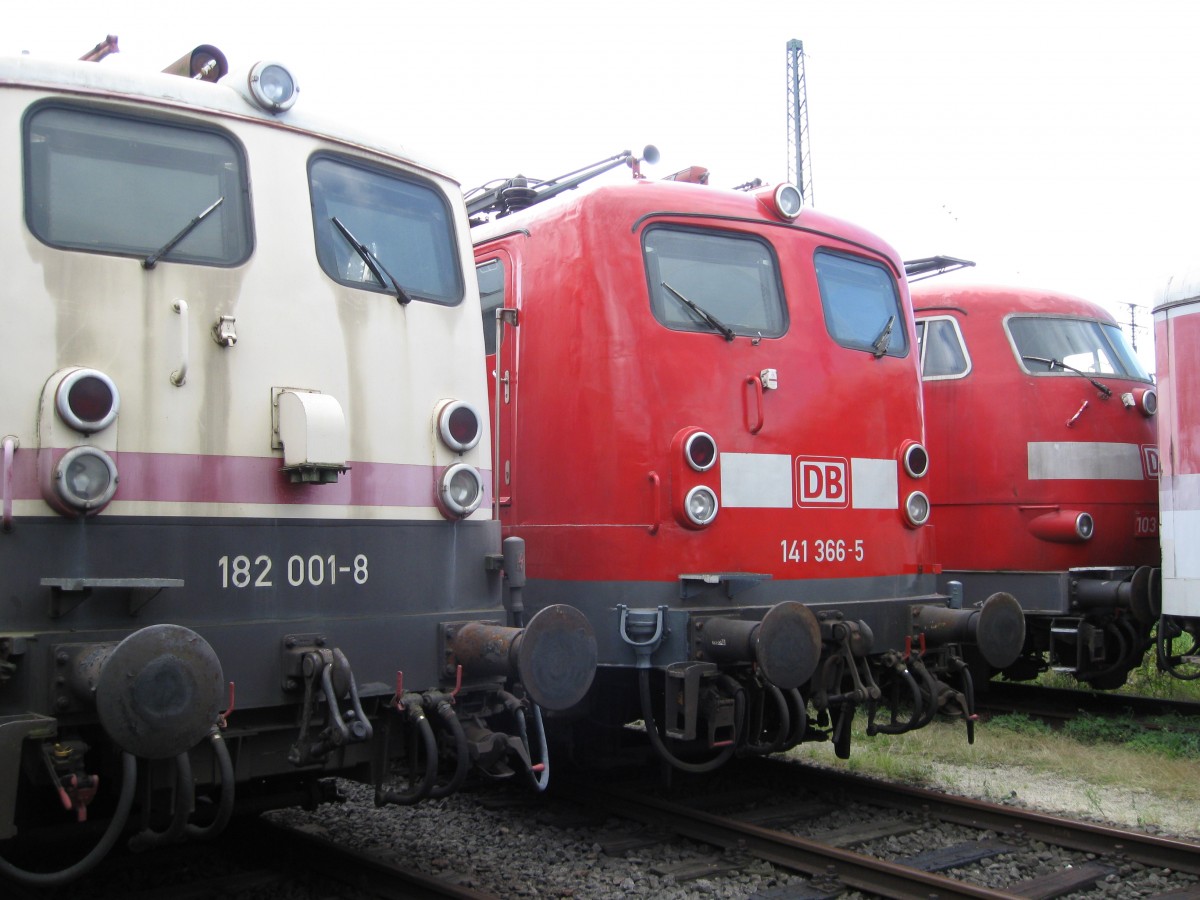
(1177, 356)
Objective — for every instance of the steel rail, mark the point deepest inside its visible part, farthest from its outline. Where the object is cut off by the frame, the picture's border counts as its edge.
(1104, 840)
(373, 873)
(1064, 703)
(855, 870)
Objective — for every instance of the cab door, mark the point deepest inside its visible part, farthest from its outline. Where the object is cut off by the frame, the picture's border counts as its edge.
(495, 267)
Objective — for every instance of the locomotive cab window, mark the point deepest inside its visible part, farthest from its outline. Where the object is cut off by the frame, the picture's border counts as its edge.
(491, 298)
(124, 186)
(1052, 345)
(714, 282)
(384, 231)
(942, 349)
(861, 304)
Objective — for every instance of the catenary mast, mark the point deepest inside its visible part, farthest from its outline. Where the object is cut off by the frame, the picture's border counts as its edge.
(799, 152)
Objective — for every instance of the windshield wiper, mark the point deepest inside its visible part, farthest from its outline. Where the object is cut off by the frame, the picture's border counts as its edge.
(881, 343)
(705, 316)
(1051, 364)
(382, 275)
(152, 260)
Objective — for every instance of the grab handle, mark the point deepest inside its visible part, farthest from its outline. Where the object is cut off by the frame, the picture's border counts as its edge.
(10, 448)
(754, 425)
(180, 374)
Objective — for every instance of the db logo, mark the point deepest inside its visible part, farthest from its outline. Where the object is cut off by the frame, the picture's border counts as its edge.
(1150, 460)
(822, 481)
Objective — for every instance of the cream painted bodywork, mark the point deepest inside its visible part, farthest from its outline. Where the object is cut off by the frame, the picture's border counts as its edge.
(386, 365)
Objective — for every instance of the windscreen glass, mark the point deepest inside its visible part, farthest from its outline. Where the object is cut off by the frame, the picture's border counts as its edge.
(1047, 344)
(402, 224)
(130, 187)
(714, 281)
(943, 353)
(861, 304)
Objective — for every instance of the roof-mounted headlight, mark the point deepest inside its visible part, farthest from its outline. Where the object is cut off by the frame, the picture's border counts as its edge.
(273, 87)
(783, 200)
(788, 200)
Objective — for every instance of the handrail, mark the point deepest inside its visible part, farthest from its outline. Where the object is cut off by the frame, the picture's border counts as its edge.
(180, 374)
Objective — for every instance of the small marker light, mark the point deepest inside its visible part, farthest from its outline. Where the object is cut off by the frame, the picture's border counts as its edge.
(1085, 526)
(916, 460)
(916, 509)
(87, 400)
(459, 425)
(85, 478)
(701, 505)
(461, 490)
(700, 450)
(1147, 402)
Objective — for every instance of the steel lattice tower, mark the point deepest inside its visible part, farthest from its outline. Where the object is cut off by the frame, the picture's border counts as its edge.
(799, 155)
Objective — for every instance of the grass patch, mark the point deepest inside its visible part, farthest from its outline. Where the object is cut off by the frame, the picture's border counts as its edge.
(1021, 724)
(1099, 756)
(1167, 736)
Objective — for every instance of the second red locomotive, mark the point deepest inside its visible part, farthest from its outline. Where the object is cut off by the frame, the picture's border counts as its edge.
(711, 439)
(1042, 421)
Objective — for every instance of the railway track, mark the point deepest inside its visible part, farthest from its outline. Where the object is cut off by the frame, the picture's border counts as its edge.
(1064, 703)
(790, 828)
(258, 859)
(761, 828)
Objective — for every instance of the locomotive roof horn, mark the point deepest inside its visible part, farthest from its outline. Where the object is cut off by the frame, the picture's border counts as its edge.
(204, 63)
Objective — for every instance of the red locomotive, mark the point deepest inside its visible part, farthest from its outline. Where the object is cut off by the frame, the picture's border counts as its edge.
(710, 437)
(1177, 347)
(1041, 421)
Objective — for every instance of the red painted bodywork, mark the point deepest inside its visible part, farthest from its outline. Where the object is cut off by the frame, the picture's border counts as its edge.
(1177, 348)
(1177, 342)
(602, 394)
(991, 514)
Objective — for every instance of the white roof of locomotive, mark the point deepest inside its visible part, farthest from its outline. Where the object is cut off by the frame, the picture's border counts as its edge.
(226, 97)
(1181, 288)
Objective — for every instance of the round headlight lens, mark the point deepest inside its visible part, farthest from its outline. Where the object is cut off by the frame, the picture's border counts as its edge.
(916, 509)
(85, 478)
(1085, 526)
(461, 489)
(916, 460)
(87, 400)
(701, 505)
(459, 426)
(788, 200)
(1149, 402)
(273, 87)
(701, 451)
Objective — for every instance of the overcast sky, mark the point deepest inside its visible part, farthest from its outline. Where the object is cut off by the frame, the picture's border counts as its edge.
(1051, 142)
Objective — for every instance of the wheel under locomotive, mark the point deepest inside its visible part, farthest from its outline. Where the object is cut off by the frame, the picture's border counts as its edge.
(246, 539)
